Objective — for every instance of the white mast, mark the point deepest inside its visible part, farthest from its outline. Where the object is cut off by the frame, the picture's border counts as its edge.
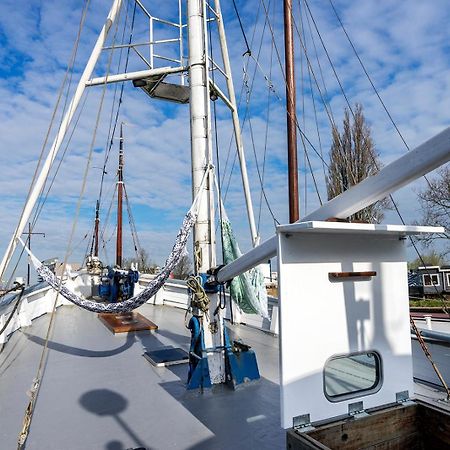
(204, 240)
(40, 181)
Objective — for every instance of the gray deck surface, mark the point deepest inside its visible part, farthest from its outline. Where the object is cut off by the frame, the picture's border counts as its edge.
(98, 392)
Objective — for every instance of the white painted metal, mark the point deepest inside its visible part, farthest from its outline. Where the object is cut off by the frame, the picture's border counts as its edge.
(236, 125)
(360, 228)
(134, 75)
(201, 153)
(423, 159)
(39, 183)
(321, 317)
(204, 240)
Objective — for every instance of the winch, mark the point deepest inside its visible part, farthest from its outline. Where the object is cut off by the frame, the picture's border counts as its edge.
(118, 284)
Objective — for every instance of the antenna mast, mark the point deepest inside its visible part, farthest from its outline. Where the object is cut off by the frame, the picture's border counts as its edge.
(119, 201)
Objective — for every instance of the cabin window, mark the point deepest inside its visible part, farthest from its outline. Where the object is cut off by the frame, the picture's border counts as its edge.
(431, 279)
(448, 279)
(348, 376)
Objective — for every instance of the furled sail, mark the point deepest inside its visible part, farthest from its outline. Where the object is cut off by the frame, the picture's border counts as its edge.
(248, 289)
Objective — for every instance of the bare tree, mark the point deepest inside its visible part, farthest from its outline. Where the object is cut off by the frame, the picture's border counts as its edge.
(183, 268)
(142, 259)
(435, 203)
(352, 159)
(431, 259)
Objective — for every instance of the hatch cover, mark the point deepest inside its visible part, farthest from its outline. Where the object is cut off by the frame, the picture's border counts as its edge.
(167, 356)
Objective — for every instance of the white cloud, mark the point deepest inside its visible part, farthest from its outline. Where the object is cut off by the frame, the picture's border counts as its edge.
(403, 44)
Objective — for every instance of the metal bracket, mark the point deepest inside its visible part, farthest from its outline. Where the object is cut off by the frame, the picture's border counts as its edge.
(356, 410)
(302, 423)
(403, 398)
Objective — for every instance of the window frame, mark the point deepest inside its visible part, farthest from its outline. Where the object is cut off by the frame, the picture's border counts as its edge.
(360, 392)
(431, 278)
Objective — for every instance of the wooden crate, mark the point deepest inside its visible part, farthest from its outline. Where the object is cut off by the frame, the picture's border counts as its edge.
(412, 426)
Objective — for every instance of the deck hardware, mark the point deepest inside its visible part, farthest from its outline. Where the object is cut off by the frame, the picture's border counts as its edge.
(403, 398)
(356, 410)
(302, 423)
(334, 275)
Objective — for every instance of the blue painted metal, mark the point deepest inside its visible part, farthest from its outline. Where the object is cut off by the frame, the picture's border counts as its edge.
(104, 290)
(241, 366)
(198, 376)
(209, 284)
(118, 285)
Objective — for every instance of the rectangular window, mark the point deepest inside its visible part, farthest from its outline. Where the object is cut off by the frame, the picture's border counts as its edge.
(431, 279)
(353, 375)
(448, 279)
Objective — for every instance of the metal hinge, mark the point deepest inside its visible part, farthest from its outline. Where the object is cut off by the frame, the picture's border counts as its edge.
(403, 398)
(356, 410)
(302, 423)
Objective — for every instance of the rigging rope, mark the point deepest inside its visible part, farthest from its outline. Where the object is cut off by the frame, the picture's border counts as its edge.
(55, 109)
(40, 370)
(248, 51)
(16, 305)
(429, 357)
(151, 289)
(373, 158)
(110, 139)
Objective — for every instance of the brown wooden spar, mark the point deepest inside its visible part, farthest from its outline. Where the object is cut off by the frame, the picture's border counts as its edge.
(291, 112)
(96, 227)
(119, 202)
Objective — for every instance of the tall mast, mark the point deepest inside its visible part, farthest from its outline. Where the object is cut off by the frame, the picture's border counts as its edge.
(204, 238)
(291, 112)
(65, 123)
(200, 136)
(96, 226)
(119, 201)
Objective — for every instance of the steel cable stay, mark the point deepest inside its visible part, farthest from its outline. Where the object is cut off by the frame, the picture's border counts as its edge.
(266, 135)
(68, 74)
(371, 82)
(445, 309)
(243, 91)
(248, 91)
(105, 225)
(43, 199)
(326, 104)
(413, 325)
(112, 128)
(216, 137)
(299, 128)
(133, 229)
(152, 287)
(28, 415)
(315, 116)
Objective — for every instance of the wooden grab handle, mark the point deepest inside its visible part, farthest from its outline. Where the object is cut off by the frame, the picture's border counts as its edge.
(352, 274)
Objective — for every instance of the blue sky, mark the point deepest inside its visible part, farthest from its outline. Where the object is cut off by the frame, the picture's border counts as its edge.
(404, 45)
